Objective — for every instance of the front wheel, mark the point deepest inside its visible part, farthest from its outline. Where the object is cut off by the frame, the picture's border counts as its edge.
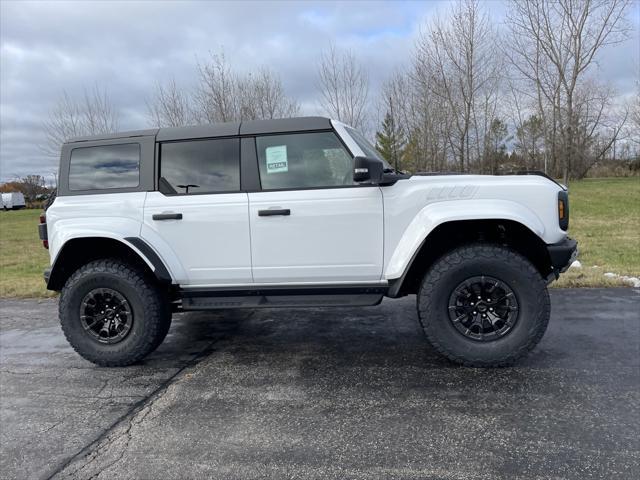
(112, 314)
(483, 306)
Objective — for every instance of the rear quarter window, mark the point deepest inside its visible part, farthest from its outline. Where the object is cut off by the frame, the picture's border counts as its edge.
(105, 167)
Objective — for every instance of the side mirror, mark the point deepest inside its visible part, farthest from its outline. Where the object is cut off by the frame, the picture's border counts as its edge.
(369, 170)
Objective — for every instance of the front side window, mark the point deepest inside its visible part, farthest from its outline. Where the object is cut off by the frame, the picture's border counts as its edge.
(368, 149)
(200, 166)
(303, 160)
(104, 167)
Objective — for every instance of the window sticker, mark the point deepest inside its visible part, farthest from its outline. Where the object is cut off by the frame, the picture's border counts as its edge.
(277, 159)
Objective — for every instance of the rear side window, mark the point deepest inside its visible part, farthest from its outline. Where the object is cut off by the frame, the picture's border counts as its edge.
(105, 167)
(303, 160)
(200, 166)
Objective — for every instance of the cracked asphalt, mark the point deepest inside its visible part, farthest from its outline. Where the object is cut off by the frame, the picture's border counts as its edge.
(324, 393)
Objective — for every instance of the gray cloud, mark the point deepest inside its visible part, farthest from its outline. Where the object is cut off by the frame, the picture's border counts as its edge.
(126, 46)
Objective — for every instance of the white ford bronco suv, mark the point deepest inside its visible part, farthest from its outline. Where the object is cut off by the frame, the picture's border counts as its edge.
(299, 212)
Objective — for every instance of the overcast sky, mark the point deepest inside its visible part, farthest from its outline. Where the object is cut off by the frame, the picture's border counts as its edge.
(48, 47)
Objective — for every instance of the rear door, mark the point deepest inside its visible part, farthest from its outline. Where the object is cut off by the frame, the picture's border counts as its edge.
(199, 216)
(310, 223)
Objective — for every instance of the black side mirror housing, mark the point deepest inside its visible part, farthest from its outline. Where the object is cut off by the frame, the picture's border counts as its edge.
(367, 170)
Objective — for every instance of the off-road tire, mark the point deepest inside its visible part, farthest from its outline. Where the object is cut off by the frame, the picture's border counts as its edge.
(151, 313)
(498, 262)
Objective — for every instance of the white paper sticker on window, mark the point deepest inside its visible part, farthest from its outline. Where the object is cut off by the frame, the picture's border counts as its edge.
(277, 159)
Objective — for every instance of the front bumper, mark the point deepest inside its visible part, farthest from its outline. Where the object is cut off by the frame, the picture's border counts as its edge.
(562, 254)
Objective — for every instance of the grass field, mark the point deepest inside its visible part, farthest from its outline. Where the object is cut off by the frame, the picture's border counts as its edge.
(22, 256)
(605, 219)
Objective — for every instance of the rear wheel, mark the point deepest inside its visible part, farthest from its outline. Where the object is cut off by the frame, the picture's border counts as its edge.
(483, 306)
(112, 314)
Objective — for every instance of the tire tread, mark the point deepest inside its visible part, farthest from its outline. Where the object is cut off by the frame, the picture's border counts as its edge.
(494, 253)
(157, 314)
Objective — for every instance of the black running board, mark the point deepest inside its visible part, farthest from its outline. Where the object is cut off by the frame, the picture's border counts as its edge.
(271, 297)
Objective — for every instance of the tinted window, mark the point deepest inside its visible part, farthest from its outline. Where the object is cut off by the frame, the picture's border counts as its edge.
(200, 166)
(104, 167)
(303, 160)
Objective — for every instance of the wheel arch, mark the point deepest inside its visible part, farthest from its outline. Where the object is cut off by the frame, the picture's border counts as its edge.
(77, 251)
(453, 234)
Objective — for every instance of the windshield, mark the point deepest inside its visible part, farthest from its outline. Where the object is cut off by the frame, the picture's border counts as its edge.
(368, 149)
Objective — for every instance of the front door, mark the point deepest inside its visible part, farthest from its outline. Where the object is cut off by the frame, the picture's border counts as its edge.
(199, 217)
(311, 223)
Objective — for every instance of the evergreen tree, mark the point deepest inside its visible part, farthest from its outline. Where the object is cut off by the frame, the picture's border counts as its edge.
(495, 146)
(390, 141)
(530, 143)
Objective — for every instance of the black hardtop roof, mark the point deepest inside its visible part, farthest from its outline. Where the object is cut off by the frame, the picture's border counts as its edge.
(114, 136)
(249, 127)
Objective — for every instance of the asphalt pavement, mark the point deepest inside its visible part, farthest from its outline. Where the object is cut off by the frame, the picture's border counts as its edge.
(324, 393)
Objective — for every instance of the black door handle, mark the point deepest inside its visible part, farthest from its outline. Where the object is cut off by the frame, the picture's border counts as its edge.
(274, 211)
(167, 216)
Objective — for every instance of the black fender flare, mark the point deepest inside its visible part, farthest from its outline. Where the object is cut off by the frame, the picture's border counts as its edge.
(56, 275)
(159, 268)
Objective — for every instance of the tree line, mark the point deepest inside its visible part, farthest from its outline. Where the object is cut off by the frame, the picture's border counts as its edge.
(33, 187)
(473, 96)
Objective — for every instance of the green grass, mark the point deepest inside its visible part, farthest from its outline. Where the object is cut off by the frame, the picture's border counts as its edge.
(22, 256)
(605, 219)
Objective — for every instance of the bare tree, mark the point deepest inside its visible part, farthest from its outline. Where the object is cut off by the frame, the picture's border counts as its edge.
(455, 61)
(262, 97)
(635, 116)
(32, 186)
(553, 44)
(93, 114)
(344, 87)
(170, 106)
(223, 95)
(597, 127)
(216, 95)
(422, 119)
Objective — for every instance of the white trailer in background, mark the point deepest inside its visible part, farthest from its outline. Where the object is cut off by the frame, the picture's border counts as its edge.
(13, 201)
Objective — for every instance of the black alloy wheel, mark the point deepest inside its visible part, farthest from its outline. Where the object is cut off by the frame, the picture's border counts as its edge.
(106, 315)
(483, 308)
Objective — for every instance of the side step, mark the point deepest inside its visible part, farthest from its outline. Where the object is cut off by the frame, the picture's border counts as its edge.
(271, 297)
